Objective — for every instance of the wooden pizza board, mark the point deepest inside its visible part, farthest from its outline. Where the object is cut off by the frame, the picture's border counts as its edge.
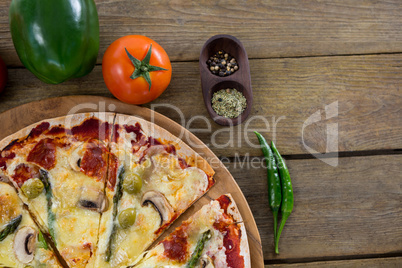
(24, 115)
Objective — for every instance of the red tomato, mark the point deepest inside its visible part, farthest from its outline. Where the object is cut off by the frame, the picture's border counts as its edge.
(3, 75)
(117, 67)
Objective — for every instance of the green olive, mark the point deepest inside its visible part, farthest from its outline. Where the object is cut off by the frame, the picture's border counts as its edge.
(132, 183)
(127, 217)
(32, 188)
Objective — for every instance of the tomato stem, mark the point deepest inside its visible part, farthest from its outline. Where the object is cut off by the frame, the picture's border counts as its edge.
(143, 68)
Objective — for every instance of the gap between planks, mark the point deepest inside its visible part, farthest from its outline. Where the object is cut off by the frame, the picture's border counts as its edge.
(273, 58)
(327, 155)
(355, 261)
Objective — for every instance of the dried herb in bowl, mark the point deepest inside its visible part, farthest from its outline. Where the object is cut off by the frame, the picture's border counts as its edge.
(229, 103)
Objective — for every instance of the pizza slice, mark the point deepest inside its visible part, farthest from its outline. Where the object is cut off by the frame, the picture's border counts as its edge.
(153, 178)
(213, 237)
(21, 242)
(59, 167)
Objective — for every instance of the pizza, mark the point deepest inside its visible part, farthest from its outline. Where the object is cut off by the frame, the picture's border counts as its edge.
(102, 187)
(214, 236)
(21, 241)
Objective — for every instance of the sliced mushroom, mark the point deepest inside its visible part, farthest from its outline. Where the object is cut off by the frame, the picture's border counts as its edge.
(76, 156)
(25, 244)
(4, 178)
(200, 176)
(140, 259)
(154, 150)
(206, 262)
(93, 199)
(160, 203)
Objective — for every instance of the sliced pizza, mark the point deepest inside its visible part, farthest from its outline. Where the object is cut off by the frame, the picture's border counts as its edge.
(21, 242)
(214, 236)
(59, 167)
(153, 178)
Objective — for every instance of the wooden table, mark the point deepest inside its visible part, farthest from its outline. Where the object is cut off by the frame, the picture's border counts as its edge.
(305, 56)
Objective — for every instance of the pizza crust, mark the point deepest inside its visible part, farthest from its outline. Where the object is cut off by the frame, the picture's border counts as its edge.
(67, 122)
(244, 248)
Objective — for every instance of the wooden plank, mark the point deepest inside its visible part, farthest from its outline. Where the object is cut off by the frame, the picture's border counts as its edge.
(349, 210)
(286, 93)
(267, 29)
(379, 262)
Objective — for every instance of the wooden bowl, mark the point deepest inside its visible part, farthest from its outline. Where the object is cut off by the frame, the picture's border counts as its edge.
(240, 80)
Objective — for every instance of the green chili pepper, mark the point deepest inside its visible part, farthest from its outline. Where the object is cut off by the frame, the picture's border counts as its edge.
(274, 182)
(287, 193)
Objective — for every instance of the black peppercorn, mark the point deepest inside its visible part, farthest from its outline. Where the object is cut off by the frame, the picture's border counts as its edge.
(222, 64)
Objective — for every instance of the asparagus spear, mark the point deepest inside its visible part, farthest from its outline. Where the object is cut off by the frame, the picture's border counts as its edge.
(51, 217)
(116, 198)
(195, 257)
(42, 241)
(10, 227)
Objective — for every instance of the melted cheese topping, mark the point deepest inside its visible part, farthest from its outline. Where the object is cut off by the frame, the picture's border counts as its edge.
(163, 173)
(9, 202)
(10, 205)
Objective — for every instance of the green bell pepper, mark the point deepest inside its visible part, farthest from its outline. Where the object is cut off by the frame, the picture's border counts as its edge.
(55, 39)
